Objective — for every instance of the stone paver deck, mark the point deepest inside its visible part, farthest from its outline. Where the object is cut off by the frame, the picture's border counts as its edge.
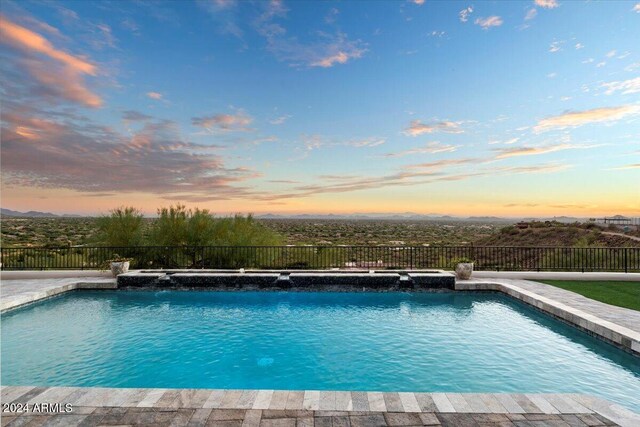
(15, 293)
(112, 406)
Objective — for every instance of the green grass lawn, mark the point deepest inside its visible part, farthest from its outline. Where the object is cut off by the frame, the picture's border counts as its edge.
(622, 294)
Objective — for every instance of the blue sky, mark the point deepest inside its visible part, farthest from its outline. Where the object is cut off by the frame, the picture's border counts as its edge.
(469, 108)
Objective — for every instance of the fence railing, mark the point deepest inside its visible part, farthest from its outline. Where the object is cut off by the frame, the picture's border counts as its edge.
(625, 259)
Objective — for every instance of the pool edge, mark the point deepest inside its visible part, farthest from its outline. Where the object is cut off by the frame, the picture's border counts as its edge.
(323, 401)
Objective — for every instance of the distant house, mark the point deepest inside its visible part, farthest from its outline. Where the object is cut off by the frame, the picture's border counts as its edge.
(617, 220)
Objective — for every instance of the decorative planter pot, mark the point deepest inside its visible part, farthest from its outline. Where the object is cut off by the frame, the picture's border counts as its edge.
(464, 270)
(119, 268)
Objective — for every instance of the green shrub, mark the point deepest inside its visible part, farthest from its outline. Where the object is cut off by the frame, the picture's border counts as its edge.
(122, 227)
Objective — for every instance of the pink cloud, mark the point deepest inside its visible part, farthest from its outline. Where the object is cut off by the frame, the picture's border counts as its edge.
(224, 122)
(488, 22)
(58, 73)
(92, 158)
(418, 128)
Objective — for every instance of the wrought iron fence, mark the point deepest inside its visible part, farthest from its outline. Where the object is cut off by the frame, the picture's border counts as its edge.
(625, 259)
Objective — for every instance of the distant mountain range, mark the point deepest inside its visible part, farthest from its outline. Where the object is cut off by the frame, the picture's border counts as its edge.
(413, 216)
(361, 216)
(34, 214)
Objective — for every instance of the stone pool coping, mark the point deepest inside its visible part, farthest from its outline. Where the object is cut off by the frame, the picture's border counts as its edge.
(16, 293)
(329, 403)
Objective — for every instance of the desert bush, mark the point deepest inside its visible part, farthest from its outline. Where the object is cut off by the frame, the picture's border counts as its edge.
(122, 227)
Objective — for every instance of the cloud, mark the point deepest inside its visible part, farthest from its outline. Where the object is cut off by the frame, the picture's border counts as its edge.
(488, 22)
(547, 4)
(332, 15)
(464, 14)
(555, 46)
(368, 142)
(340, 57)
(579, 46)
(283, 181)
(224, 122)
(418, 128)
(533, 169)
(627, 86)
(56, 75)
(438, 164)
(425, 173)
(103, 36)
(134, 116)
(92, 158)
(280, 120)
(611, 53)
(26, 40)
(531, 13)
(580, 118)
(504, 153)
(626, 167)
(323, 50)
(418, 2)
(430, 148)
(328, 51)
(154, 95)
(224, 13)
(508, 141)
(636, 8)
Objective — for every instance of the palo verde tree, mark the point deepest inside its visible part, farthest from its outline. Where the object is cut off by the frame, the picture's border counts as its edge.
(122, 227)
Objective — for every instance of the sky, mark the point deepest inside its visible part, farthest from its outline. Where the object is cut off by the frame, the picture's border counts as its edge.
(467, 108)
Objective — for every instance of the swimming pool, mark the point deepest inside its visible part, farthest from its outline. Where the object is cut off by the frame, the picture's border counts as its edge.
(451, 341)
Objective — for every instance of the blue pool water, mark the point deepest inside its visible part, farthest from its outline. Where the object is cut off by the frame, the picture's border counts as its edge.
(456, 342)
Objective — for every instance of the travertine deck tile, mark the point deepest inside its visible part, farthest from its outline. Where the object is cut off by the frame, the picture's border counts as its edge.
(152, 396)
(360, 401)
(252, 418)
(393, 403)
(295, 400)
(53, 395)
(376, 402)
(279, 399)
(12, 393)
(311, 400)
(509, 403)
(526, 404)
(343, 401)
(475, 403)
(327, 400)
(247, 399)
(442, 403)
(263, 399)
(459, 403)
(409, 402)
(230, 399)
(542, 403)
(200, 417)
(493, 405)
(190, 398)
(426, 402)
(136, 396)
(167, 398)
